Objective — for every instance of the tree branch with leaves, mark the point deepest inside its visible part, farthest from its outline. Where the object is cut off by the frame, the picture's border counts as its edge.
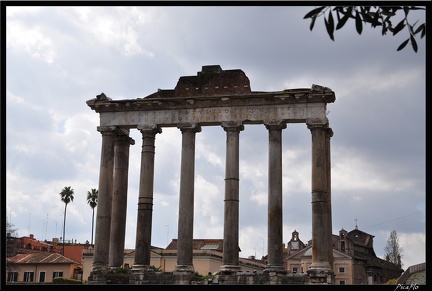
(375, 16)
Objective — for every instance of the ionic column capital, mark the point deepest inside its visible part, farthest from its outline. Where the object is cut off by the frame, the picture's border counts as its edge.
(122, 135)
(151, 129)
(190, 127)
(125, 138)
(313, 123)
(275, 124)
(107, 129)
(232, 126)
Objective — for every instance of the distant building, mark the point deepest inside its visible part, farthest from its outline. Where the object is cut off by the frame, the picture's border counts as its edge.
(207, 258)
(41, 267)
(354, 259)
(34, 261)
(414, 275)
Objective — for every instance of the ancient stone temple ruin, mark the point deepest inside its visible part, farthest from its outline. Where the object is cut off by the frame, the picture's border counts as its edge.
(214, 97)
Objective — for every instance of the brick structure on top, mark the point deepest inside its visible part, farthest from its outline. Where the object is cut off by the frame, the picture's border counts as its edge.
(211, 81)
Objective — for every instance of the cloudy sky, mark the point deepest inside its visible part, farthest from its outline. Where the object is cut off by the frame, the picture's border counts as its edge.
(57, 58)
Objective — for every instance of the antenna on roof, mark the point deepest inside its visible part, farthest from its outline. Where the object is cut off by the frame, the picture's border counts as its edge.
(29, 224)
(46, 226)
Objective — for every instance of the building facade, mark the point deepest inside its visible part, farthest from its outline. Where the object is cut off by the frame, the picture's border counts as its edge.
(207, 258)
(41, 267)
(354, 259)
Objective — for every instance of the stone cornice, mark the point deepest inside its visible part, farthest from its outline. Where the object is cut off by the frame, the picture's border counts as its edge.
(317, 94)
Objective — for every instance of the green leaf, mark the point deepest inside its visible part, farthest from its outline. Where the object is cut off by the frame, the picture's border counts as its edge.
(399, 27)
(312, 23)
(403, 45)
(329, 25)
(359, 26)
(314, 12)
(388, 11)
(368, 17)
(413, 43)
(343, 20)
(419, 28)
(337, 14)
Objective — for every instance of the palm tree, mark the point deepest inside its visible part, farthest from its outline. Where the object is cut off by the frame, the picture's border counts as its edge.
(66, 196)
(92, 198)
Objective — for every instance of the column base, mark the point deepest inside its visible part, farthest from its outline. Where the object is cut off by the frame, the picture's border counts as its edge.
(276, 269)
(98, 274)
(229, 269)
(321, 275)
(140, 268)
(184, 274)
(184, 269)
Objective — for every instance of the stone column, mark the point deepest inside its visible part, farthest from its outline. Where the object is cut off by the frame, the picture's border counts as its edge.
(103, 213)
(320, 271)
(145, 199)
(275, 225)
(230, 261)
(119, 199)
(186, 203)
(329, 134)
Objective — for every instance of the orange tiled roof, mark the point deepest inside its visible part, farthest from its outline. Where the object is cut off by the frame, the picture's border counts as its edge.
(40, 258)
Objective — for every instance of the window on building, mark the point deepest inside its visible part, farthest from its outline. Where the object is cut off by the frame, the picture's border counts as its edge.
(342, 246)
(342, 282)
(341, 270)
(295, 270)
(42, 276)
(12, 276)
(57, 274)
(28, 276)
(210, 247)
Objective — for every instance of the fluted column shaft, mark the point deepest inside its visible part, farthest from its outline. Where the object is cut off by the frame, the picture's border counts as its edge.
(119, 199)
(145, 198)
(230, 260)
(103, 213)
(274, 228)
(186, 203)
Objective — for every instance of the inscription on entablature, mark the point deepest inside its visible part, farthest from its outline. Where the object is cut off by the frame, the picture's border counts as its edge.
(212, 115)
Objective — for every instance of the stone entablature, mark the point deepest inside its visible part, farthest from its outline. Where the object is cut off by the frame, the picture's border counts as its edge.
(291, 106)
